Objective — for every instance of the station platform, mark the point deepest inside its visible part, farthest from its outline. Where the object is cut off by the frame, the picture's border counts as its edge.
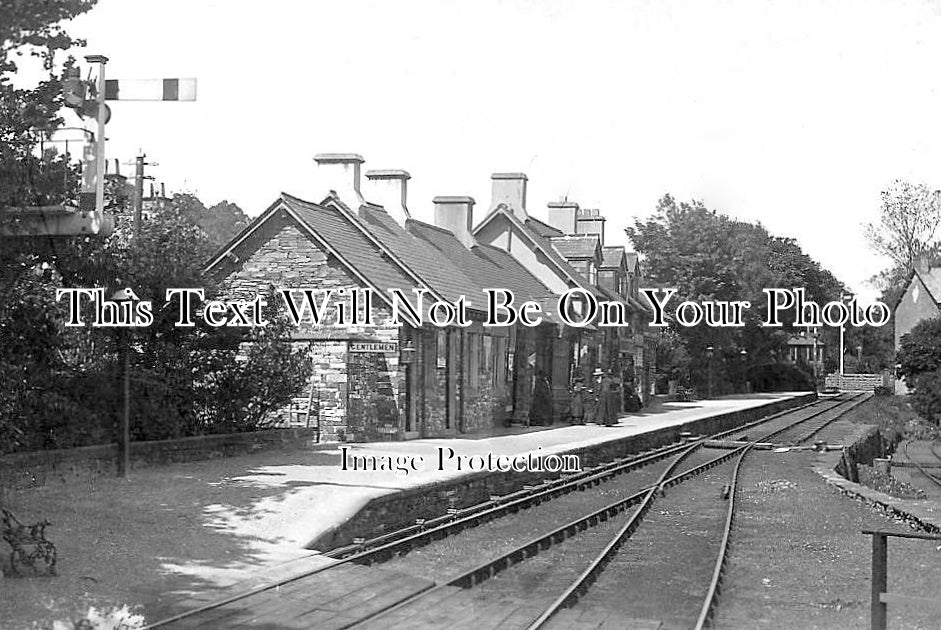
(326, 496)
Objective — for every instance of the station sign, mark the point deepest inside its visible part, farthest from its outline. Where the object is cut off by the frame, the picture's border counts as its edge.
(374, 346)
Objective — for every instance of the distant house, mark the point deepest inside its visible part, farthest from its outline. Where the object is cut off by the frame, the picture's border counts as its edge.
(807, 349)
(919, 302)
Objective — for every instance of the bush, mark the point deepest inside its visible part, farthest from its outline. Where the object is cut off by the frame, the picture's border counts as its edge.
(781, 377)
(926, 400)
(920, 349)
(882, 390)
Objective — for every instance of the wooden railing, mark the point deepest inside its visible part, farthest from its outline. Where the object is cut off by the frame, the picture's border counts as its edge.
(880, 556)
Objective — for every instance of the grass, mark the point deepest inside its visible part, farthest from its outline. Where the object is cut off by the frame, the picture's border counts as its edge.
(150, 540)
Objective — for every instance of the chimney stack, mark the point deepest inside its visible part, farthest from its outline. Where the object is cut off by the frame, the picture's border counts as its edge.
(590, 221)
(457, 215)
(510, 189)
(389, 190)
(562, 215)
(339, 172)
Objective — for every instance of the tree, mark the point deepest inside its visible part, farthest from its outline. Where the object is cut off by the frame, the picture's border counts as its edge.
(919, 359)
(61, 385)
(709, 256)
(920, 350)
(28, 116)
(30, 175)
(907, 227)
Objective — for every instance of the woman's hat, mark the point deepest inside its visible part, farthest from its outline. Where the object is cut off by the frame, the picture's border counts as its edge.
(598, 372)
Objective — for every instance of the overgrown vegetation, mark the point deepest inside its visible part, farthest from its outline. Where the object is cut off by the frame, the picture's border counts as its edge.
(895, 418)
(919, 358)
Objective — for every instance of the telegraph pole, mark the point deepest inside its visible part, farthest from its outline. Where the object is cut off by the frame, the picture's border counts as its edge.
(138, 194)
(139, 178)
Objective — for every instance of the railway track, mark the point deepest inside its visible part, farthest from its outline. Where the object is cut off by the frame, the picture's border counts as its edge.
(935, 479)
(524, 573)
(636, 501)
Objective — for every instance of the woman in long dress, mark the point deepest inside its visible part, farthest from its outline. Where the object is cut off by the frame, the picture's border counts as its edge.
(609, 398)
(594, 400)
(577, 403)
(540, 413)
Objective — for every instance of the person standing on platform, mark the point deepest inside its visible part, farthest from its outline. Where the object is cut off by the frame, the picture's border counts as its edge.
(609, 401)
(540, 414)
(593, 399)
(577, 403)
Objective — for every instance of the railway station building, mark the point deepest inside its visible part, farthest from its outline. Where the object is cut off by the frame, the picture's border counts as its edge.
(383, 381)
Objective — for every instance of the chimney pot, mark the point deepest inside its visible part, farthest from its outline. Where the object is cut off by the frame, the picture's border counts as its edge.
(590, 221)
(457, 215)
(390, 189)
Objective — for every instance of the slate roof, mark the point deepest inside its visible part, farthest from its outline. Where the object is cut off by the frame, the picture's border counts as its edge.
(612, 255)
(542, 228)
(932, 281)
(432, 265)
(333, 229)
(631, 261)
(542, 243)
(389, 256)
(581, 246)
(488, 266)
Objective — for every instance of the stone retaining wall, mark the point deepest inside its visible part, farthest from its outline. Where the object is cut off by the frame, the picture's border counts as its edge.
(402, 508)
(36, 468)
(855, 382)
(832, 467)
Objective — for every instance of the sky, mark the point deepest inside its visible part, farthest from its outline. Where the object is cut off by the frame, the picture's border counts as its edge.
(795, 114)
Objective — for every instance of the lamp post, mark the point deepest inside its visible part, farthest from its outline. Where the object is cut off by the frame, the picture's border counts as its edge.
(124, 442)
(406, 357)
(709, 353)
(743, 353)
(843, 298)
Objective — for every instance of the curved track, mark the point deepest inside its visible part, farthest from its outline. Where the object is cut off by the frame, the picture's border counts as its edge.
(936, 480)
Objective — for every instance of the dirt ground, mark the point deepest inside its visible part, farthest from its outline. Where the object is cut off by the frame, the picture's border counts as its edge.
(162, 534)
